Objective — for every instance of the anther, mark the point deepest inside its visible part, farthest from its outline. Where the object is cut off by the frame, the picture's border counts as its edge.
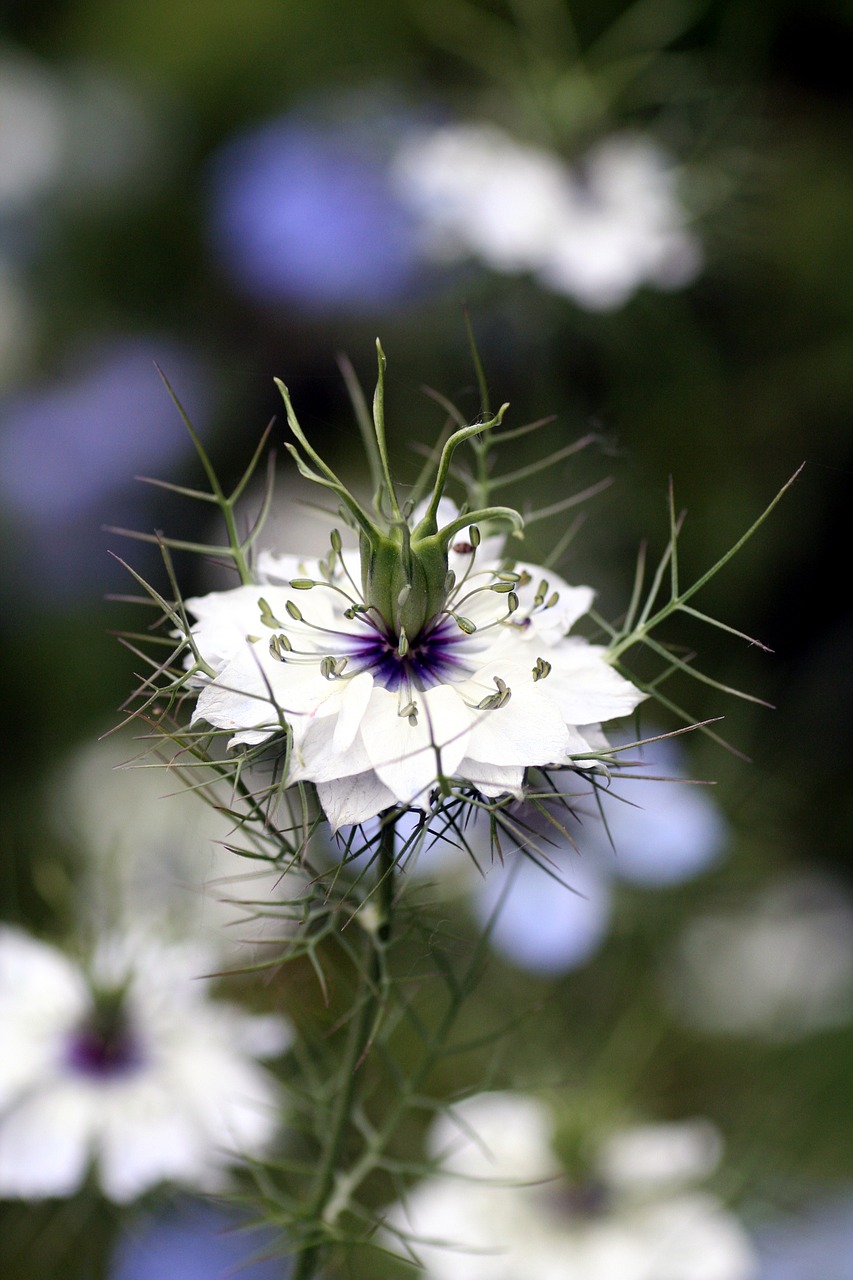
(294, 612)
(302, 584)
(464, 624)
(541, 670)
(279, 647)
(494, 701)
(268, 618)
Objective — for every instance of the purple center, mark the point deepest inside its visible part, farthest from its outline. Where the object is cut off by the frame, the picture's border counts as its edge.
(429, 660)
(103, 1049)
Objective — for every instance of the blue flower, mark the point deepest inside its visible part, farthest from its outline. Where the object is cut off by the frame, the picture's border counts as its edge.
(302, 211)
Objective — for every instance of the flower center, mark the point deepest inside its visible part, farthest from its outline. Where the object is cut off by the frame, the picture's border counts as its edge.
(103, 1047)
(430, 659)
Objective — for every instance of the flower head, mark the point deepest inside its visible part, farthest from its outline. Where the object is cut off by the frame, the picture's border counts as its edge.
(435, 665)
(128, 1068)
(500, 1205)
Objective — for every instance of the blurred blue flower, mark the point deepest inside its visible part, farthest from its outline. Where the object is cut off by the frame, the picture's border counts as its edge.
(556, 912)
(195, 1241)
(303, 211)
(816, 1246)
(69, 452)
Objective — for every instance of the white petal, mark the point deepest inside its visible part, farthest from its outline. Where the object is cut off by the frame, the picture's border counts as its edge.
(552, 624)
(409, 758)
(493, 779)
(149, 1137)
(46, 1142)
(527, 730)
(347, 802)
(585, 685)
(356, 695)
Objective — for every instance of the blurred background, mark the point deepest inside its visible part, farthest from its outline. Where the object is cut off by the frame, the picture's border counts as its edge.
(646, 210)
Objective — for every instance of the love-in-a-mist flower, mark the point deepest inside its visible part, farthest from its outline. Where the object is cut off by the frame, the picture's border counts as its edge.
(501, 1206)
(126, 1067)
(428, 665)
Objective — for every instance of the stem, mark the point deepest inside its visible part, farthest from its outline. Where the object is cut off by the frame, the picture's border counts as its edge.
(361, 1033)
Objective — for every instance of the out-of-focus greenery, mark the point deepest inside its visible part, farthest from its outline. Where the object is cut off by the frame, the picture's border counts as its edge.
(726, 386)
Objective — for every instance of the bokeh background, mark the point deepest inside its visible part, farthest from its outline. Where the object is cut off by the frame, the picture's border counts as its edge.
(208, 187)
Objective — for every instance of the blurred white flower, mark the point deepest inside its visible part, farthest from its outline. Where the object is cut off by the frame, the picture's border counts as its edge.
(595, 232)
(500, 1207)
(664, 830)
(152, 850)
(777, 968)
(127, 1068)
(31, 129)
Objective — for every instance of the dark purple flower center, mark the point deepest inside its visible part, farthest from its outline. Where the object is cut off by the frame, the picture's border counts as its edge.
(104, 1046)
(430, 659)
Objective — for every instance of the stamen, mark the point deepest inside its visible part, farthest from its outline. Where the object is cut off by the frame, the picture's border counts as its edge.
(494, 701)
(332, 668)
(279, 647)
(268, 618)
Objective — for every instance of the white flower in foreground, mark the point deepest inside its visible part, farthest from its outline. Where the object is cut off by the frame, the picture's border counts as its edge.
(780, 968)
(128, 1068)
(501, 1207)
(432, 664)
(595, 232)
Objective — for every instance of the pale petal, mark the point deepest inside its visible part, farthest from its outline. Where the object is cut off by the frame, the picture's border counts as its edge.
(46, 1142)
(347, 802)
(315, 758)
(149, 1136)
(356, 695)
(586, 687)
(549, 625)
(527, 730)
(493, 779)
(408, 758)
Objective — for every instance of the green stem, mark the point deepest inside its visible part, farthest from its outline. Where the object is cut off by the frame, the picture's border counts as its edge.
(361, 1032)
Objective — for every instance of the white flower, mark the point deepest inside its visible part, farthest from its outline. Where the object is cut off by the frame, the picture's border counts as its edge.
(499, 1206)
(596, 232)
(485, 687)
(780, 968)
(128, 1068)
